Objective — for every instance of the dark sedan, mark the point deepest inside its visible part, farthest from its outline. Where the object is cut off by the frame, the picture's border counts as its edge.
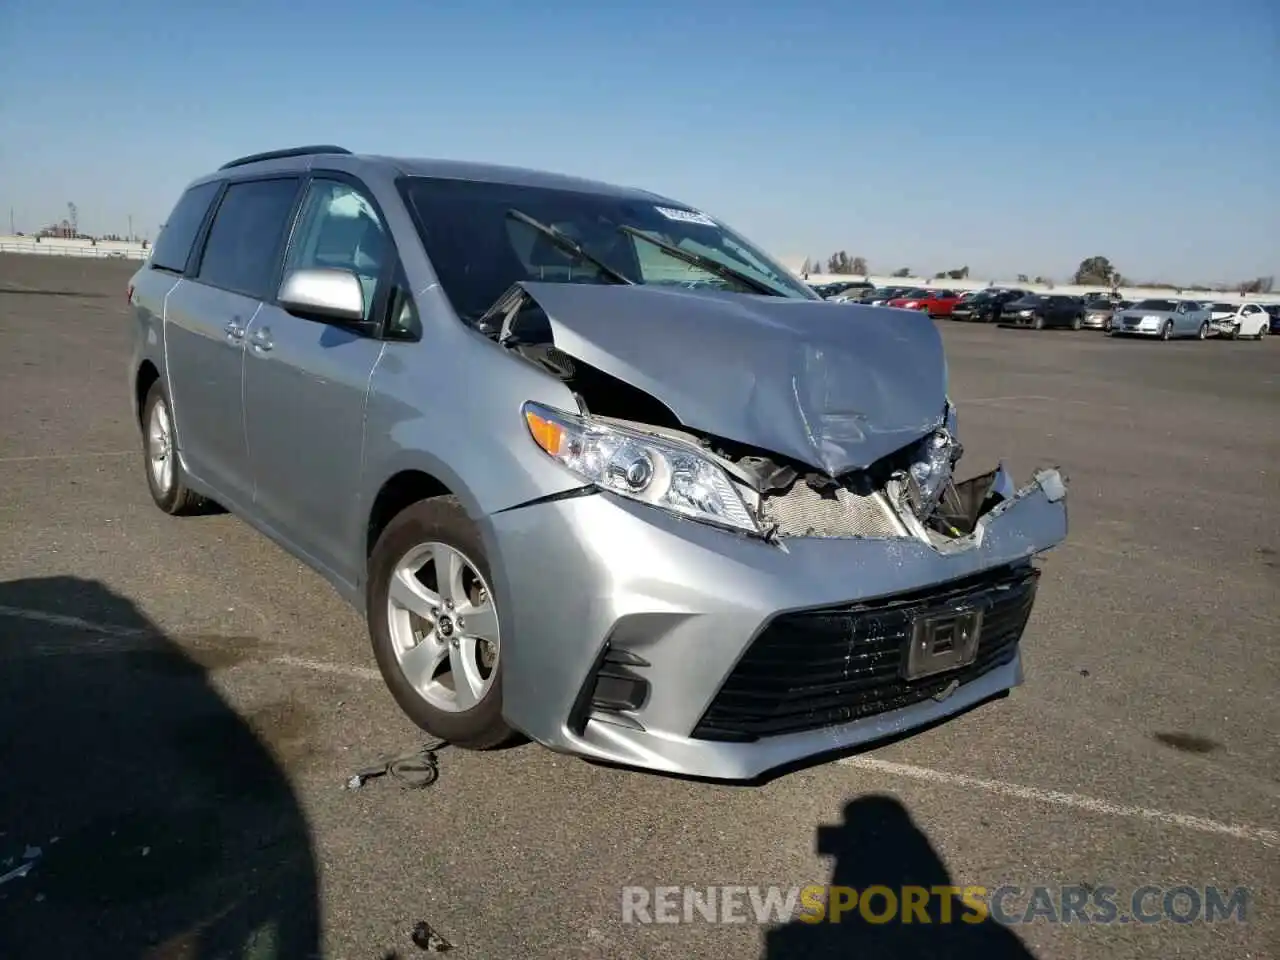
(986, 306)
(1040, 310)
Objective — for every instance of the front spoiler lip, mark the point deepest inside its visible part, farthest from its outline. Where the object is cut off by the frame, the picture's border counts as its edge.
(1027, 523)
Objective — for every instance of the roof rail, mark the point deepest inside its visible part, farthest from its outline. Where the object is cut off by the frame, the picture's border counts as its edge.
(288, 152)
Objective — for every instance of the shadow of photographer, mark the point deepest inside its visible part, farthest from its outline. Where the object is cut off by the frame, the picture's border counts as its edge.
(165, 827)
(878, 845)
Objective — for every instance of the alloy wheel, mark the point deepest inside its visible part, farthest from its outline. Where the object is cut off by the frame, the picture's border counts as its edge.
(160, 447)
(444, 626)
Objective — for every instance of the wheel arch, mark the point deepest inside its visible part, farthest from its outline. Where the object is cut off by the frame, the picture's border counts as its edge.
(148, 375)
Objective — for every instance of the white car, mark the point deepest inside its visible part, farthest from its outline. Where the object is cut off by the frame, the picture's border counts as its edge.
(1236, 320)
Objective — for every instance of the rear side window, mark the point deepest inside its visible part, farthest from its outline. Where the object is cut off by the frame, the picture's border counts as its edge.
(247, 235)
(173, 246)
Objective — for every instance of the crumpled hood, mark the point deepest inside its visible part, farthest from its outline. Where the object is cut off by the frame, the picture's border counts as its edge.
(836, 386)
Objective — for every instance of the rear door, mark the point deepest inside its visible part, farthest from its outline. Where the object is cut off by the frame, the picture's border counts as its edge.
(306, 381)
(206, 318)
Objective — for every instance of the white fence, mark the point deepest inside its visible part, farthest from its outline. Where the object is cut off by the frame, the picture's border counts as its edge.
(59, 247)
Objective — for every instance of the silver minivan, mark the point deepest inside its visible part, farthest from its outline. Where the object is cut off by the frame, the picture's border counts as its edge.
(596, 469)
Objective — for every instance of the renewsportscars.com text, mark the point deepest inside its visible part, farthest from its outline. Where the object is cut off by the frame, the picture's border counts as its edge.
(1008, 905)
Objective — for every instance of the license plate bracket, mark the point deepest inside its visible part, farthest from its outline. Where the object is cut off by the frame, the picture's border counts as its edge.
(942, 640)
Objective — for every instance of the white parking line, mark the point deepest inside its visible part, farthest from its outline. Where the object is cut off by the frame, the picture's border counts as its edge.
(126, 638)
(925, 774)
(69, 456)
(1074, 800)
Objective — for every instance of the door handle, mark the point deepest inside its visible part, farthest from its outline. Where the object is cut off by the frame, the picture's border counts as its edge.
(234, 331)
(261, 340)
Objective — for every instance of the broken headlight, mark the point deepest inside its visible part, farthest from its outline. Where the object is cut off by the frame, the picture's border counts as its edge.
(660, 472)
(933, 464)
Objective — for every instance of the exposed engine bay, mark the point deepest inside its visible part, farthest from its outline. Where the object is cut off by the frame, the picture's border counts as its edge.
(908, 493)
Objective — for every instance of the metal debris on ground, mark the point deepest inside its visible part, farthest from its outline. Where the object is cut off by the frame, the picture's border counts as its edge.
(414, 770)
(427, 939)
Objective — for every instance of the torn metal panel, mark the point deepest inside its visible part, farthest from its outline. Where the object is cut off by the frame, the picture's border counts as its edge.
(828, 385)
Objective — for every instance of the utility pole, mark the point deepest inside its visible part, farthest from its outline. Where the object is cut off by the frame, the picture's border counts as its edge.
(131, 228)
(12, 229)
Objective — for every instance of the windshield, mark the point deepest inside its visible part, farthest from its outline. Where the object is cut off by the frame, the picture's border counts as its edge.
(1224, 308)
(1029, 300)
(1098, 304)
(917, 294)
(478, 250)
(1166, 306)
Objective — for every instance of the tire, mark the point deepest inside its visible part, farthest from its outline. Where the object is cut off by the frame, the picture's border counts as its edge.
(1203, 333)
(1262, 332)
(1167, 330)
(1077, 322)
(1037, 323)
(1235, 332)
(168, 488)
(442, 521)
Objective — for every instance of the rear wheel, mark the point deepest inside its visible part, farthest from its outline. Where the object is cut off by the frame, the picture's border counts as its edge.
(433, 622)
(1204, 330)
(165, 478)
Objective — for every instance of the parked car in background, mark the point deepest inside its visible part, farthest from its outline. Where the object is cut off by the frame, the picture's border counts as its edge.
(837, 288)
(879, 296)
(1273, 311)
(1041, 310)
(1099, 311)
(1236, 320)
(1163, 318)
(850, 291)
(986, 306)
(936, 303)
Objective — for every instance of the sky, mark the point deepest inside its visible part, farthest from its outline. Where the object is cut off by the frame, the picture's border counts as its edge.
(1006, 135)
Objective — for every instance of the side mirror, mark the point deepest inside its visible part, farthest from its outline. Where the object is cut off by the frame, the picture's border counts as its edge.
(325, 294)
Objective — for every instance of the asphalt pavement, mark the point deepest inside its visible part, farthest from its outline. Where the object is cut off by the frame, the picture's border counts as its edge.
(182, 703)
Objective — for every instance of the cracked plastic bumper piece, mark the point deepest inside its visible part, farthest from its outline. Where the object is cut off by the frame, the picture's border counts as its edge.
(642, 639)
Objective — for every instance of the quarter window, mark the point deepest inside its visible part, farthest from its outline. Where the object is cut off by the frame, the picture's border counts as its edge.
(173, 246)
(340, 229)
(244, 242)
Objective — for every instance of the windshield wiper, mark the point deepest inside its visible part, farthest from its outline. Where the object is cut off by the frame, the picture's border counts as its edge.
(568, 245)
(710, 264)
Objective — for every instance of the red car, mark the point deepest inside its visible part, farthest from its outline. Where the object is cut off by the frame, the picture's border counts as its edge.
(936, 303)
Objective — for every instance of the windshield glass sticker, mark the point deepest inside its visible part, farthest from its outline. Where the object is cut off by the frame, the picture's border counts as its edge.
(686, 216)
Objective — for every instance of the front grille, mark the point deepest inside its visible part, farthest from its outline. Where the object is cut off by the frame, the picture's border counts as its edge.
(819, 668)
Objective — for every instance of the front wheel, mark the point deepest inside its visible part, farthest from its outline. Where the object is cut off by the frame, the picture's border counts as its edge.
(1037, 323)
(433, 622)
(1167, 330)
(1077, 322)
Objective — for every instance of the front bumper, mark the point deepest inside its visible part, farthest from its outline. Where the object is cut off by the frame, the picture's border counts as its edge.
(1138, 330)
(625, 627)
(1224, 328)
(1095, 323)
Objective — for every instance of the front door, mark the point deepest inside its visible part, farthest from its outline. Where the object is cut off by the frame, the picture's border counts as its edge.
(306, 382)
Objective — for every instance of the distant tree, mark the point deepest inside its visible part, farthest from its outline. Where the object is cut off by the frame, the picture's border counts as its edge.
(1044, 281)
(940, 275)
(806, 268)
(842, 263)
(1258, 285)
(859, 266)
(901, 272)
(1095, 271)
(961, 274)
(1022, 278)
